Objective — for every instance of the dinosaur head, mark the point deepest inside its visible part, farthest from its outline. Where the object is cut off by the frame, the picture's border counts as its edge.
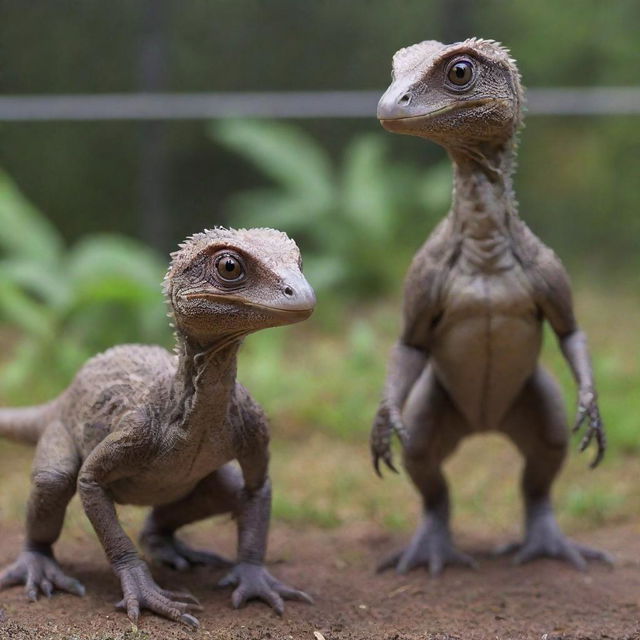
(458, 95)
(228, 282)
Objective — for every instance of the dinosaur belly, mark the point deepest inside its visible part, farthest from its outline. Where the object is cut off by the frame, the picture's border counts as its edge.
(174, 474)
(486, 344)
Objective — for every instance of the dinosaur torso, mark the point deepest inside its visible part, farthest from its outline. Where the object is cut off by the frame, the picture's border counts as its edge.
(485, 336)
(190, 433)
(488, 337)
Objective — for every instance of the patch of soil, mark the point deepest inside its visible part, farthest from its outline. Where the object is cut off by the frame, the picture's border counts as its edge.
(544, 600)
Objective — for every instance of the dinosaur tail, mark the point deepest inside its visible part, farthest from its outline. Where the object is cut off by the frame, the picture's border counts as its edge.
(26, 424)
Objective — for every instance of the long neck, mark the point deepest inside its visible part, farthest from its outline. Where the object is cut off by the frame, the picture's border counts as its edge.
(484, 203)
(205, 380)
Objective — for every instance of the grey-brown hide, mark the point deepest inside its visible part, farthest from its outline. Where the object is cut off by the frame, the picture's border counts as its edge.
(476, 296)
(488, 110)
(139, 425)
(274, 283)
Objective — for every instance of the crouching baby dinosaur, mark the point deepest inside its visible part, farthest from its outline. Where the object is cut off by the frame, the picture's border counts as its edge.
(141, 426)
(476, 296)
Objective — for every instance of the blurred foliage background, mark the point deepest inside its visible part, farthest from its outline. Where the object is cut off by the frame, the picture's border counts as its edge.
(83, 250)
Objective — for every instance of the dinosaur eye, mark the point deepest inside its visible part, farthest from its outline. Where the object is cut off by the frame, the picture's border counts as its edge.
(460, 73)
(229, 268)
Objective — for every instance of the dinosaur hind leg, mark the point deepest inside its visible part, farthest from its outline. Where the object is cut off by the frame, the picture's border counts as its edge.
(435, 428)
(55, 469)
(537, 425)
(215, 494)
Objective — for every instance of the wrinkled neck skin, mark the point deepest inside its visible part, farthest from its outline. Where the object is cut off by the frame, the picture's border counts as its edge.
(205, 381)
(484, 204)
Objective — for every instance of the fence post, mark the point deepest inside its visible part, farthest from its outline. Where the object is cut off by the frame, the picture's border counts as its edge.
(153, 168)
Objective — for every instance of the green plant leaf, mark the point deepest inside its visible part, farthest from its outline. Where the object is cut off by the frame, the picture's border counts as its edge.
(271, 208)
(367, 195)
(44, 281)
(114, 267)
(24, 231)
(21, 310)
(283, 152)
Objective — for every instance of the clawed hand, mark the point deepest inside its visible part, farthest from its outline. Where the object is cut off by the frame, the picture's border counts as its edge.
(588, 410)
(387, 421)
(140, 591)
(253, 581)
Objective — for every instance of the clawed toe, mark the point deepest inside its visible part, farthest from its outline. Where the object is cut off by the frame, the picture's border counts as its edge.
(254, 582)
(141, 592)
(554, 546)
(431, 547)
(594, 554)
(168, 550)
(40, 574)
(433, 559)
(390, 562)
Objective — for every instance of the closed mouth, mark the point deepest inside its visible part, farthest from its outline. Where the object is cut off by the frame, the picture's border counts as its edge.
(241, 302)
(449, 107)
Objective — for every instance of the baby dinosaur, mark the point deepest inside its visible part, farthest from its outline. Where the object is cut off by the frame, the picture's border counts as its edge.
(476, 296)
(141, 426)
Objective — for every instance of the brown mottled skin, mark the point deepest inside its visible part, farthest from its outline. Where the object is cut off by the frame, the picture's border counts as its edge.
(139, 425)
(476, 297)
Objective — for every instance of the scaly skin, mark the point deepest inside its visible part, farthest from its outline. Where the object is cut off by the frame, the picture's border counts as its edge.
(139, 425)
(476, 297)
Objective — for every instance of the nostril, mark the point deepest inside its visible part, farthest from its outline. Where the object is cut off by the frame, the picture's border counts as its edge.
(405, 99)
(288, 291)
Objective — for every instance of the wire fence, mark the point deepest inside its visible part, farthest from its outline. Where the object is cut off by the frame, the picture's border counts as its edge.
(283, 104)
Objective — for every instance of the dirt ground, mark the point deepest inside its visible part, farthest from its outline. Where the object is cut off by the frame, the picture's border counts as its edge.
(544, 600)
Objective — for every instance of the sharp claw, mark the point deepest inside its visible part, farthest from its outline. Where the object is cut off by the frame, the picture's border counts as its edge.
(595, 554)
(305, 597)
(190, 621)
(292, 594)
(237, 598)
(133, 613)
(181, 595)
(376, 465)
(47, 588)
(389, 563)
(77, 588)
(598, 459)
(436, 565)
(574, 558)
(32, 595)
(227, 581)
(390, 464)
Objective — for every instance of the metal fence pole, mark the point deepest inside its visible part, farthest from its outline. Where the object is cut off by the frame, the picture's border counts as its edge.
(153, 164)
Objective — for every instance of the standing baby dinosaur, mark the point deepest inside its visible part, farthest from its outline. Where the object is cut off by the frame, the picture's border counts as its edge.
(139, 425)
(476, 296)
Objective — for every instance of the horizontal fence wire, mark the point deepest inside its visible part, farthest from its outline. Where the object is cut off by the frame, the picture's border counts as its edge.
(282, 104)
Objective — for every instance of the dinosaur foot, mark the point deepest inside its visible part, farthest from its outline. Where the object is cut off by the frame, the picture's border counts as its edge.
(141, 592)
(253, 581)
(430, 547)
(169, 550)
(39, 572)
(544, 539)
